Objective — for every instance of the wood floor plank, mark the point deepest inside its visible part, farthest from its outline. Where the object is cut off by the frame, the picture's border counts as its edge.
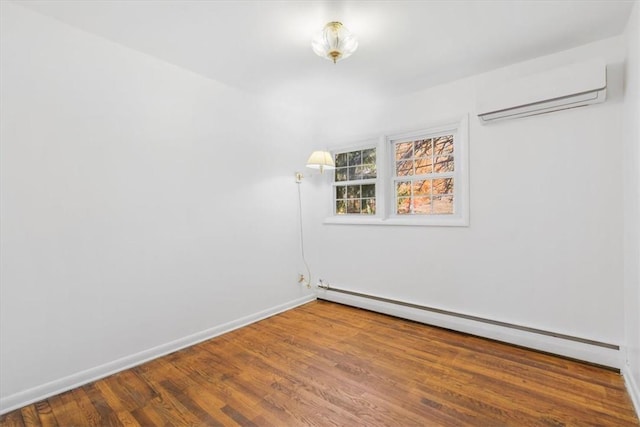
(172, 410)
(12, 419)
(148, 416)
(66, 410)
(326, 364)
(127, 419)
(191, 405)
(47, 418)
(86, 407)
(29, 416)
(106, 413)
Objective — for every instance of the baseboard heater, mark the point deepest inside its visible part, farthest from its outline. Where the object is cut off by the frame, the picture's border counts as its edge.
(609, 346)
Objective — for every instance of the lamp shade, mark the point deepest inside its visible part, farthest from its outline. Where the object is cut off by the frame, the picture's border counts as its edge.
(321, 160)
(335, 42)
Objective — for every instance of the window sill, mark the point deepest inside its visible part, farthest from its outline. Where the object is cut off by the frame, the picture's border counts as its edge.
(413, 221)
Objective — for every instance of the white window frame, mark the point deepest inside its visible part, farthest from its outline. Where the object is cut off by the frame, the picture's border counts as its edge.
(385, 189)
(359, 218)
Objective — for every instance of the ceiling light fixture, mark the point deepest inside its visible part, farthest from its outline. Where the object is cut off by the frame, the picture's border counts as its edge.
(335, 42)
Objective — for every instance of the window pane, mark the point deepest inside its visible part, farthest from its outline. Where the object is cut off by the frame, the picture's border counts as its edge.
(341, 192)
(341, 160)
(422, 188)
(404, 168)
(355, 173)
(443, 164)
(353, 191)
(443, 145)
(404, 150)
(443, 186)
(423, 166)
(443, 205)
(369, 206)
(353, 206)
(341, 174)
(403, 205)
(361, 172)
(369, 156)
(369, 171)
(369, 190)
(355, 158)
(341, 207)
(423, 148)
(403, 189)
(422, 205)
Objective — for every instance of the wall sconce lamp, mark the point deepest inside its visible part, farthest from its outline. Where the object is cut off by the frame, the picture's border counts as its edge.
(321, 160)
(318, 160)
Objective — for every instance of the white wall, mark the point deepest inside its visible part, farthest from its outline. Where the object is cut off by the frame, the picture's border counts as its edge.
(141, 203)
(544, 247)
(631, 141)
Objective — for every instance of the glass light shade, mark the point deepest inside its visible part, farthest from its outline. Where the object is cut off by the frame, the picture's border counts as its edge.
(321, 160)
(335, 42)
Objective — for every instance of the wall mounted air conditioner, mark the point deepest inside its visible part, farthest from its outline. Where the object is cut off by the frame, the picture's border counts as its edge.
(572, 86)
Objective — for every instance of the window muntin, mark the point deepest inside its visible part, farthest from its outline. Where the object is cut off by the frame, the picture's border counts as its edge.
(355, 180)
(423, 175)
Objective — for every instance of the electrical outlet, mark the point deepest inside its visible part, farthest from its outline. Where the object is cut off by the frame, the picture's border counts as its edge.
(322, 284)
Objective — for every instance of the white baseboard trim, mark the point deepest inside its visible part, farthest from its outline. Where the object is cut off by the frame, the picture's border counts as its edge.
(577, 350)
(632, 388)
(35, 394)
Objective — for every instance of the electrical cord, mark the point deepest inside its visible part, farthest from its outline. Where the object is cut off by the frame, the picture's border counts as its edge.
(304, 259)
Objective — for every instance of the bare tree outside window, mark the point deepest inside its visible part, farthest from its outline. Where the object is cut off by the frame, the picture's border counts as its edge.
(423, 176)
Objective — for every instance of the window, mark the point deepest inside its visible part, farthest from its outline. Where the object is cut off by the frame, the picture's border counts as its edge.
(424, 176)
(417, 178)
(355, 182)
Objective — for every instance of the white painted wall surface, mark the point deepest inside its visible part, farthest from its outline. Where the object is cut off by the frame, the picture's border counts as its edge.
(544, 248)
(631, 140)
(141, 203)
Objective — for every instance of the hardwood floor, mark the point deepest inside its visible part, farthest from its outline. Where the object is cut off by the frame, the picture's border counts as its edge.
(326, 364)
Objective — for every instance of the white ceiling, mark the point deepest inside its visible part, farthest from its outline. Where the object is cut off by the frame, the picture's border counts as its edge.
(264, 46)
